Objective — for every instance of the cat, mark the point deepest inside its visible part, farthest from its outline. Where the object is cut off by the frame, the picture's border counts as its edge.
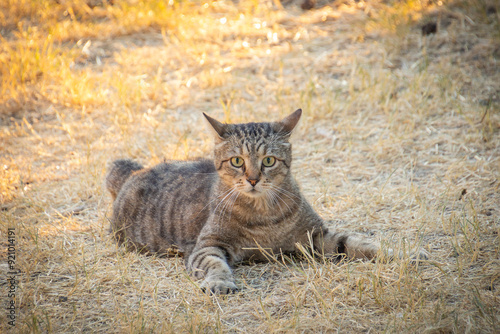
(227, 210)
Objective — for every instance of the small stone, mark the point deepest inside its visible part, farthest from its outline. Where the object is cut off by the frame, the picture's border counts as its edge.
(429, 28)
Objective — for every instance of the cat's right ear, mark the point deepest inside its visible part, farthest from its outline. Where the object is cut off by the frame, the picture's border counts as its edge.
(218, 127)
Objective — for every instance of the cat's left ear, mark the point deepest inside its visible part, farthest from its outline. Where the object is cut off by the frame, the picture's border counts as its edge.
(218, 127)
(289, 122)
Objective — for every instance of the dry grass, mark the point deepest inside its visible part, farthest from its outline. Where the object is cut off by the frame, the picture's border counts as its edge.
(399, 140)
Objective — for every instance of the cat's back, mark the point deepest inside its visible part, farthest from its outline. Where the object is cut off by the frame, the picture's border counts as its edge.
(165, 205)
(172, 177)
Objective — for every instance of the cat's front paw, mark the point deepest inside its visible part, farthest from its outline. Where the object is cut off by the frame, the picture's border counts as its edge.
(218, 286)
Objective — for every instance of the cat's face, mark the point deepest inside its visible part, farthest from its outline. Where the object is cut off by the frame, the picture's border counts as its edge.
(254, 158)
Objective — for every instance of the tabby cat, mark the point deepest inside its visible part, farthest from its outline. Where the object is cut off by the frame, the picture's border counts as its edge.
(223, 211)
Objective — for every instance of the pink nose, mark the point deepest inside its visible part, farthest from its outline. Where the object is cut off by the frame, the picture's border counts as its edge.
(253, 182)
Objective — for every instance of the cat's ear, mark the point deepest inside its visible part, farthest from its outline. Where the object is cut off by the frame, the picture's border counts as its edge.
(218, 127)
(289, 122)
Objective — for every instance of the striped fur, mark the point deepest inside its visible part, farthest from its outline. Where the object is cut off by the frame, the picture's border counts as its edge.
(217, 213)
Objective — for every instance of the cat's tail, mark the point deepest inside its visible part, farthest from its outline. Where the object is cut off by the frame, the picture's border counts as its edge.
(119, 172)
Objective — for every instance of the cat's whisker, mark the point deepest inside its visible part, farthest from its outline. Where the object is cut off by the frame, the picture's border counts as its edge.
(216, 198)
(268, 199)
(274, 196)
(289, 209)
(232, 204)
(227, 204)
(277, 194)
(287, 194)
(284, 191)
(222, 200)
(268, 195)
(213, 173)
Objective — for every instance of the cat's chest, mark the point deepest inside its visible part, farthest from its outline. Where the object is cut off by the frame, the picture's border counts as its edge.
(257, 242)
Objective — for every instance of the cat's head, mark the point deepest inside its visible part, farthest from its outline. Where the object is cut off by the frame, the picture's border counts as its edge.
(254, 158)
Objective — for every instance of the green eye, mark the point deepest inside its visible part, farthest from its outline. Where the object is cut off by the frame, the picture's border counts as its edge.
(269, 161)
(237, 161)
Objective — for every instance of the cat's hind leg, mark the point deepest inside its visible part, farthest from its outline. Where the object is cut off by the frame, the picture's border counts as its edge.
(331, 243)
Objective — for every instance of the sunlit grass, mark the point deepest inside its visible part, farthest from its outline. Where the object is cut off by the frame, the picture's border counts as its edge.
(36, 59)
(397, 16)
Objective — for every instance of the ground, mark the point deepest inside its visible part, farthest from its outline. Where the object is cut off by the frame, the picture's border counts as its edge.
(399, 141)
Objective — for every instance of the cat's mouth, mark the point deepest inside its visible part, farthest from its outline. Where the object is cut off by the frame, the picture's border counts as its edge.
(253, 192)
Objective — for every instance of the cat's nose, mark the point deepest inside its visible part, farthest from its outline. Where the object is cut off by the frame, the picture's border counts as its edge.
(253, 182)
